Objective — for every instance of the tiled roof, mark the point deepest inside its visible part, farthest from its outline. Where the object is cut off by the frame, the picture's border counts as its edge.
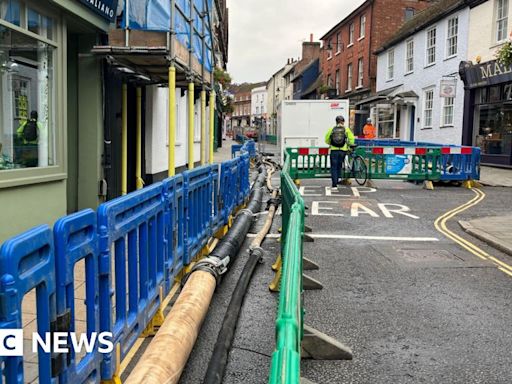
(423, 19)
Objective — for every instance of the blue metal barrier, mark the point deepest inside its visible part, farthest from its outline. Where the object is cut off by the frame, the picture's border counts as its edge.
(244, 174)
(218, 218)
(132, 249)
(235, 149)
(132, 242)
(27, 262)
(198, 210)
(76, 239)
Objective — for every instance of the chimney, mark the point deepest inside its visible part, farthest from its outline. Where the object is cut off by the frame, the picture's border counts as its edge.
(310, 50)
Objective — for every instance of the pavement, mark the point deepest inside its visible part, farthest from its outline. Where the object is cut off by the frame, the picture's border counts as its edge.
(496, 177)
(495, 231)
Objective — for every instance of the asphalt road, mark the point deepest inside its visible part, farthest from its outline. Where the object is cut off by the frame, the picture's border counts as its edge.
(412, 311)
(419, 309)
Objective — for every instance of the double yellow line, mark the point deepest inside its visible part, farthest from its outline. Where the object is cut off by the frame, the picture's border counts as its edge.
(440, 225)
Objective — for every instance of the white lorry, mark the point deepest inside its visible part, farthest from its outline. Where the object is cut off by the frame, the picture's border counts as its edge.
(304, 123)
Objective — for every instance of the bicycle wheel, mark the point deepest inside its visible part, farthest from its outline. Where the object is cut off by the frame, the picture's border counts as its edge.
(359, 170)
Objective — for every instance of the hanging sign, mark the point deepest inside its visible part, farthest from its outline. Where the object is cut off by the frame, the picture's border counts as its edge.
(105, 8)
(448, 88)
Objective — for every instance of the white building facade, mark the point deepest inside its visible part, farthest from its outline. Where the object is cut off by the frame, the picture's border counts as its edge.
(259, 103)
(415, 68)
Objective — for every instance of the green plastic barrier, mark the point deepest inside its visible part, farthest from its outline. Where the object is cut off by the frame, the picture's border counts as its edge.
(285, 368)
(310, 163)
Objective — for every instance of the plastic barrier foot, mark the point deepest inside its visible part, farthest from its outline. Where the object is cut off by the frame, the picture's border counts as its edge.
(155, 323)
(469, 184)
(274, 285)
(221, 232)
(318, 346)
(277, 265)
(115, 380)
(308, 239)
(308, 265)
(310, 284)
(427, 184)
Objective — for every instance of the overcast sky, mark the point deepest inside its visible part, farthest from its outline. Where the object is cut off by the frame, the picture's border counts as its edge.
(264, 33)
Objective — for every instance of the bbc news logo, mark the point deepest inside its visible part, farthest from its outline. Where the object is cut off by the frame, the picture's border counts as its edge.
(11, 342)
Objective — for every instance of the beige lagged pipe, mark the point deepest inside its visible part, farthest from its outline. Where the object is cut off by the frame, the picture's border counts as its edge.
(166, 356)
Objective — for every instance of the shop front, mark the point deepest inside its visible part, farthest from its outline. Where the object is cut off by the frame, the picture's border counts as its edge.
(41, 105)
(488, 110)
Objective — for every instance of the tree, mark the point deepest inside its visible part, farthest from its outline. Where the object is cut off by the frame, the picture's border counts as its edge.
(222, 77)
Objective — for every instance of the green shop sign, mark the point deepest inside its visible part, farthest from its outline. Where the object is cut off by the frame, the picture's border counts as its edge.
(105, 8)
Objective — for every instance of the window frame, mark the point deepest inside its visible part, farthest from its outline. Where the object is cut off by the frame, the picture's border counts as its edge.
(360, 73)
(429, 47)
(351, 32)
(499, 20)
(349, 77)
(450, 38)
(338, 43)
(407, 57)
(444, 124)
(57, 172)
(390, 69)
(337, 81)
(329, 51)
(362, 27)
(425, 109)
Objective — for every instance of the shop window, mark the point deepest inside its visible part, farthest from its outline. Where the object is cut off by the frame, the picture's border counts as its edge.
(27, 126)
(386, 122)
(10, 11)
(39, 24)
(494, 118)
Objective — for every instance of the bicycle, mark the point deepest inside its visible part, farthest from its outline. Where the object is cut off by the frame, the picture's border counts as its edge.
(357, 166)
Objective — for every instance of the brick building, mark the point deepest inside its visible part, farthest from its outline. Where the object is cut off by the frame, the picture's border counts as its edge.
(349, 69)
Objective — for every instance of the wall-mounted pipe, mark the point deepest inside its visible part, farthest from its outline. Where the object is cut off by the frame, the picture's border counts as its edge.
(212, 125)
(191, 127)
(138, 152)
(203, 127)
(171, 170)
(124, 140)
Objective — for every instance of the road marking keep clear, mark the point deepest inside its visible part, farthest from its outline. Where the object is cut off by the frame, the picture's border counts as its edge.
(359, 208)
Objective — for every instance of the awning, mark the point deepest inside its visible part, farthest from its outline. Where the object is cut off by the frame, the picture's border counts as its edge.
(385, 94)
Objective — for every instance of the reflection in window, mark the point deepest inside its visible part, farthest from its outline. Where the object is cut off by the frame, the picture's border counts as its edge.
(495, 133)
(386, 119)
(10, 11)
(27, 136)
(39, 24)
